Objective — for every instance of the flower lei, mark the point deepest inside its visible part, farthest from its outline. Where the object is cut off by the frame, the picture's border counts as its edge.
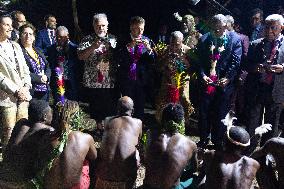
(60, 84)
(179, 78)
(38, 181)
(135, 56)
(172, 126)
(214, 58)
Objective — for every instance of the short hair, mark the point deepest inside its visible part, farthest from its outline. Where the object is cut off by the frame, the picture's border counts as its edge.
(98, 17)
(46, 17)
(219, 18)
(256, 11)
(37, 109)
(239, 136)
(5, 16)
(275, 18)
(62, 28)
(230, 19)
(137, 20)
(125, 104)
(28, 25)
(173, 112)
(176, 35)
(15, 13)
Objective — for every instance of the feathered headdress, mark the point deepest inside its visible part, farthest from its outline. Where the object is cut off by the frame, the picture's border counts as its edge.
(228, 121)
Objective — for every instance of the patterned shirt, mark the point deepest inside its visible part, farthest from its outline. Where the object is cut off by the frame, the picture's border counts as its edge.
(100, 69)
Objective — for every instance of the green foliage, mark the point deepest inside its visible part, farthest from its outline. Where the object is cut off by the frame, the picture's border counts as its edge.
(80, 122)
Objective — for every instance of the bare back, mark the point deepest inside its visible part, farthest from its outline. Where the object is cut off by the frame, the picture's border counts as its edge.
(229, 171)
(166, 157)
(117, 157)
(67, 169)
(275, 147)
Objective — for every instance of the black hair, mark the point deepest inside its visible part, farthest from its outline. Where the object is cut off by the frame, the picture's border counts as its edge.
(37, 110)
(239, 135)
(46, 17)
(173, 112)
(5, 16)
(256, 11)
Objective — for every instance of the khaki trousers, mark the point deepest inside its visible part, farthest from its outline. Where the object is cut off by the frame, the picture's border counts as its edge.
(9, 116)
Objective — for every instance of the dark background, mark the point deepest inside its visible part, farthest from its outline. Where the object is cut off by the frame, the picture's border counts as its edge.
(119, 12)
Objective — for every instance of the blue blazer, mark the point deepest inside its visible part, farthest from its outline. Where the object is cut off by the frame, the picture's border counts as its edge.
(42, 40)
(229, 63)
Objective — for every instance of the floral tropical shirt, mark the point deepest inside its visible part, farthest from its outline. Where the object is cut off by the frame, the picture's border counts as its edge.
(100, 67)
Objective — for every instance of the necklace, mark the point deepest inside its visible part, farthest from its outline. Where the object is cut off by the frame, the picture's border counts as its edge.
(33, 54)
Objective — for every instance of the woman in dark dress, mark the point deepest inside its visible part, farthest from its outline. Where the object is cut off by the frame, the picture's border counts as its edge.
(37, 63)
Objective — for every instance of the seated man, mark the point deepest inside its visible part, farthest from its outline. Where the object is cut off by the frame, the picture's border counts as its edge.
(228, 169)
(168, 152)
(266, 177)
(49, 157)
(117, 164)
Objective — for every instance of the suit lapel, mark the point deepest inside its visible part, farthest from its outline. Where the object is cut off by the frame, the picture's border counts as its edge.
(7, 60)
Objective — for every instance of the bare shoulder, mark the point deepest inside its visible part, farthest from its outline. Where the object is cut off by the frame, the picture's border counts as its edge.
(78, 135)
(250, 162)
(186, 142)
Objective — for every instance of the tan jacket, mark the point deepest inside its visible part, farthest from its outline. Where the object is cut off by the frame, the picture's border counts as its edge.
(12, 79)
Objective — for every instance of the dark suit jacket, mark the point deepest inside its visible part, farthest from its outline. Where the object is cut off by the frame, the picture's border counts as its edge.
(143, 65)
(229, 63)
(75, 66)
(42, 40)
(253, 82)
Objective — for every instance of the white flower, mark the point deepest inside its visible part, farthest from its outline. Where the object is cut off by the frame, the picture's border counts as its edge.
(112, 42)
(212, 47)
(177, 16)
(221, 49)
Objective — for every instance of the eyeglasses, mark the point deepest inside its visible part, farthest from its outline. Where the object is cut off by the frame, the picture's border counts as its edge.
(272, 27)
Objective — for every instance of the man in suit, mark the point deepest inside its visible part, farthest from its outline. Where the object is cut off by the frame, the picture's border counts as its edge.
(135, 63)
(63, 54)
(19, 20)
(257, 28)
(15, 81)
(46, 36)
(218, 59)
(265, 79)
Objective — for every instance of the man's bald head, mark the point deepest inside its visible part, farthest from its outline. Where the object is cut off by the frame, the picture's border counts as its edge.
(125, 104)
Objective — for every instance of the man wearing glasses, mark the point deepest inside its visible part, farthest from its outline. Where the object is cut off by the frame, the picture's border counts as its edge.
(19, 19)
(265, 79)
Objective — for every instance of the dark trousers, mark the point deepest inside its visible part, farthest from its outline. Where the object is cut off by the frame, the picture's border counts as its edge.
(102, 102)
(137, 94)
(41, 95)
(213, 108)
(272, 116)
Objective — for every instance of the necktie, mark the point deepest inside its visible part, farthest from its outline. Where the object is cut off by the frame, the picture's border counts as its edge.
(52, 37)
(269, 76)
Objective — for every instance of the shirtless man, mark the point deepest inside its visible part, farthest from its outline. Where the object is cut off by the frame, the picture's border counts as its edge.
(266, 176)
(66, 151)
(117, 160)
(168, 152)
(228, 169)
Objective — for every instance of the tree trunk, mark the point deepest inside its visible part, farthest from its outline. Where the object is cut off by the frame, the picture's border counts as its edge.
(78, 32)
